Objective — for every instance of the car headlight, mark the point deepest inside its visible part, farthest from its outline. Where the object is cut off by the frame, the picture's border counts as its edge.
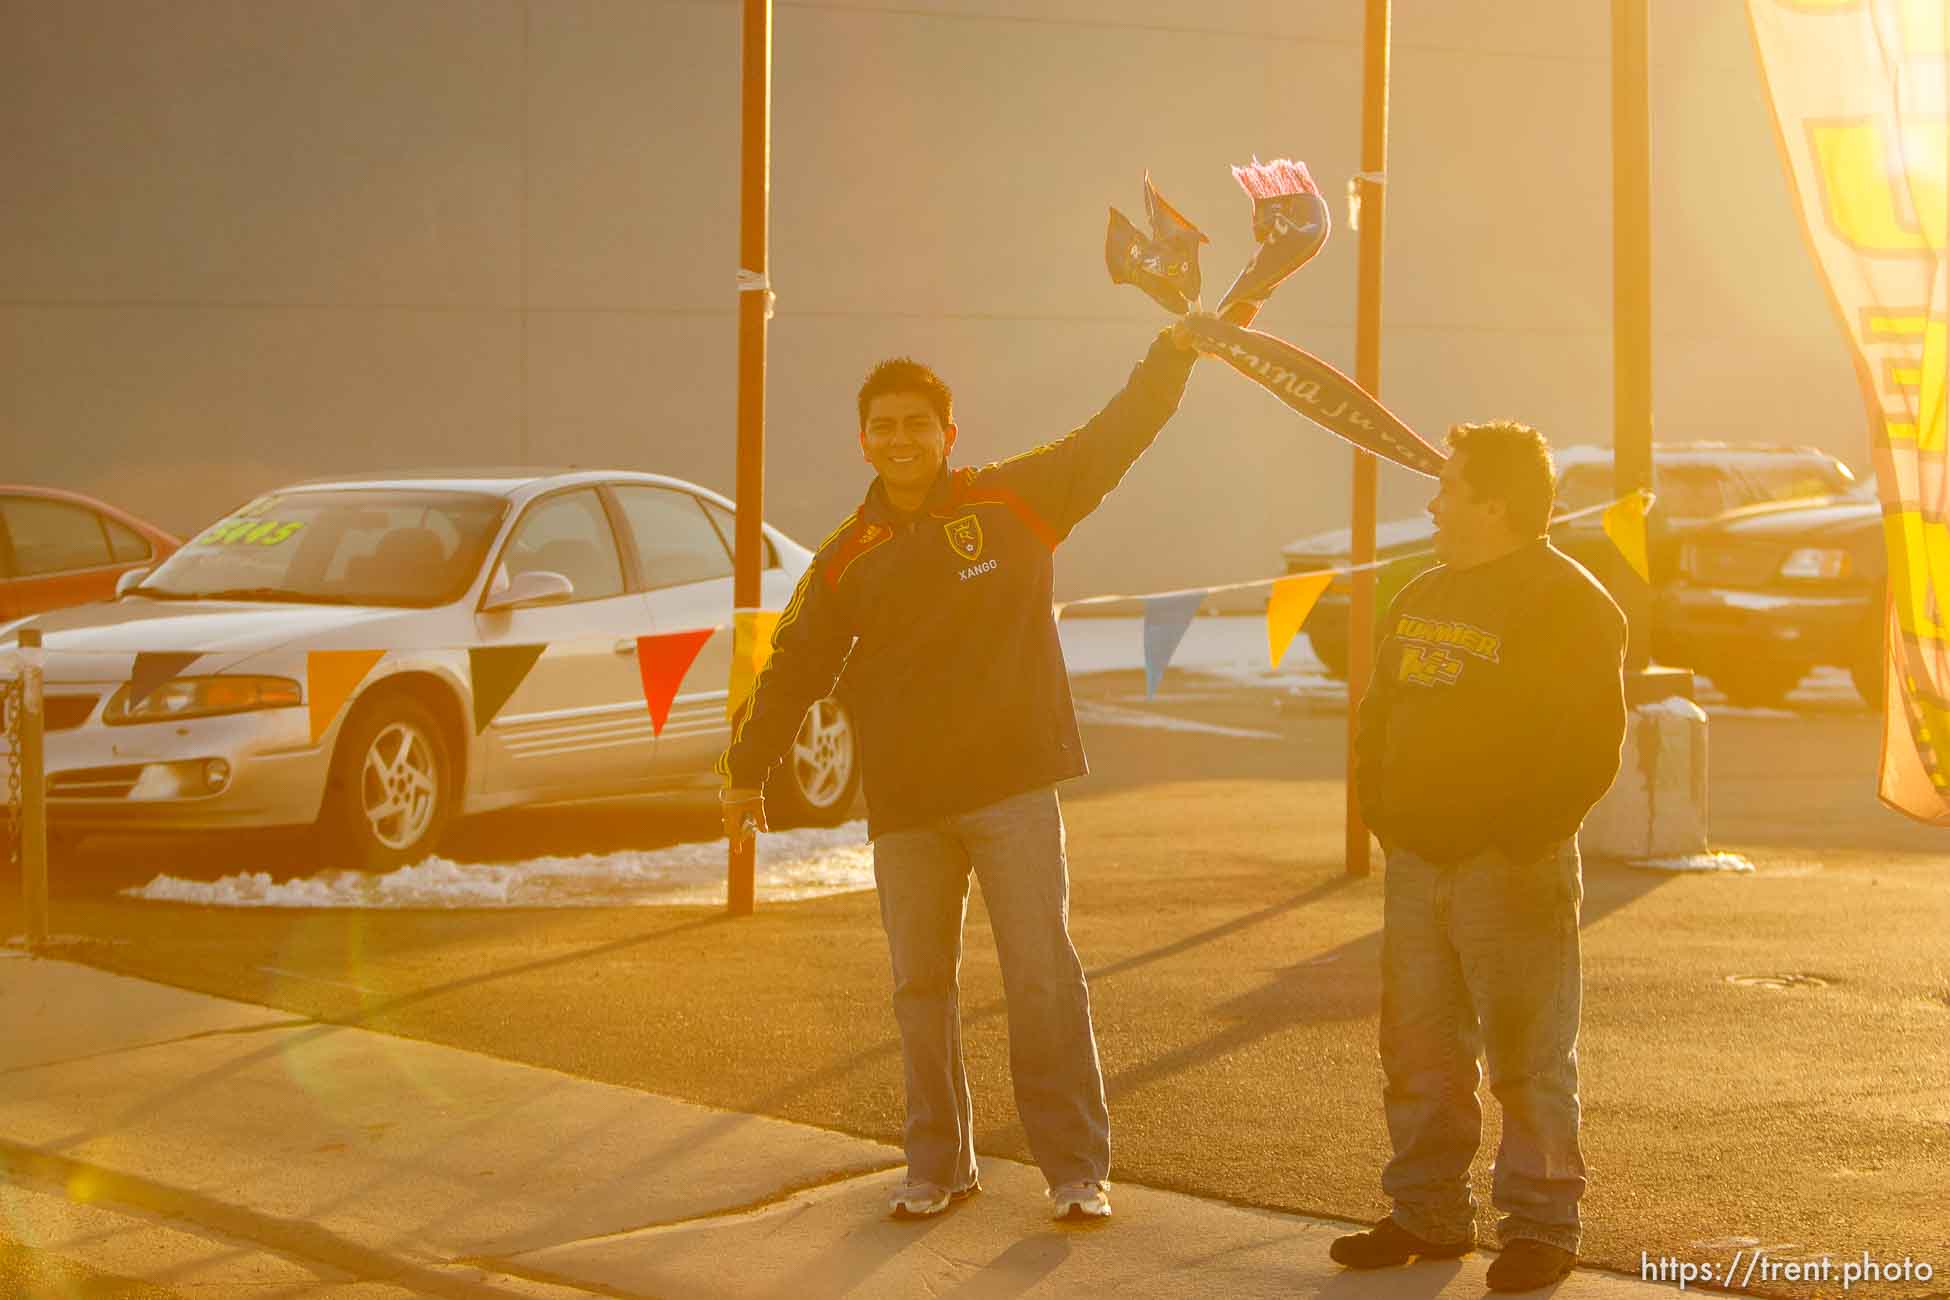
(1815, 562)
(203, 697)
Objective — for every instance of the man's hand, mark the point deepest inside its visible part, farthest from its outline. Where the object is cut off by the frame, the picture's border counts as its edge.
(744, 813)
(1182, 336)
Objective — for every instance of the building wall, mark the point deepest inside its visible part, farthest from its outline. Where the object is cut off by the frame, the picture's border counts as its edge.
(245, 241)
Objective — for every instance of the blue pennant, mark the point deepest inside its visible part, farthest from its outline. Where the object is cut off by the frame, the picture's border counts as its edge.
(1165, 621)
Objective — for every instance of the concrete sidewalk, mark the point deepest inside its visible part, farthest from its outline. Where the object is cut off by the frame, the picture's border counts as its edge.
(228, 1149)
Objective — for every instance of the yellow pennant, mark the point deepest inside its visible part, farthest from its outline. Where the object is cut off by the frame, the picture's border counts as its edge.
(1287, 608)
(751, 649)
(1625, 525)
(330, 678)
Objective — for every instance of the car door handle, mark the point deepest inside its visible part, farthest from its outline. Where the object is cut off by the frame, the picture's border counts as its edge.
(627, 646)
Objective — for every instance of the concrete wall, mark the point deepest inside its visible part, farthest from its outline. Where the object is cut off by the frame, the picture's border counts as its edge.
(243, 241)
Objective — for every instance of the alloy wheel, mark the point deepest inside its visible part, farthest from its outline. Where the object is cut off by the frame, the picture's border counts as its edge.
(399, 785)
(822, 755)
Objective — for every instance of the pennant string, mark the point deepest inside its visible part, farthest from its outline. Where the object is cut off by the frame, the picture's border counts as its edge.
(1343, 570)
(753, 628)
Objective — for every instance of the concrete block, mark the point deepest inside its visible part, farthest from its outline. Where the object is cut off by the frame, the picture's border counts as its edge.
(1657, 808)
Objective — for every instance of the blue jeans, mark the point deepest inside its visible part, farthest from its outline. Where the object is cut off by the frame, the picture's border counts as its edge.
(1481, 958)
(1014, 847)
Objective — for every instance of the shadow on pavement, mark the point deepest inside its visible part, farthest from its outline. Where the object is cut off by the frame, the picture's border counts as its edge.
(1017, 1270)
(1340, 983)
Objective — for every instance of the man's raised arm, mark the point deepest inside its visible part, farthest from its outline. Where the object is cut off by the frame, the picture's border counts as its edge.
(1064, 480)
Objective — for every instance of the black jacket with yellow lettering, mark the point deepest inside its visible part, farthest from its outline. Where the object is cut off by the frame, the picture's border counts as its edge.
(1497, 709)
(943, 624)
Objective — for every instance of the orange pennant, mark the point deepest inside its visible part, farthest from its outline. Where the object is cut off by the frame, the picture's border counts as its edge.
(1625, 524)
(751, 650)
(330, 678)
(1287, 608)
(662, 661)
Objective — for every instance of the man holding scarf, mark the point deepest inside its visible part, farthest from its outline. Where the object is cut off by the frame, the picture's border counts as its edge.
(934, 596)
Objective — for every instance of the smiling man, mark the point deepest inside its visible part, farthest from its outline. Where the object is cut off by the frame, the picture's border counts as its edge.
(935, 598)
(1491, 726)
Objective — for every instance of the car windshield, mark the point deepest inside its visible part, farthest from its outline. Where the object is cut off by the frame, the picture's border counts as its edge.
(1692, 492)
(336, 546)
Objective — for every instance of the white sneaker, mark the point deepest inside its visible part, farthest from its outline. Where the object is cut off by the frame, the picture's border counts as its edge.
(1080, 1201)
(915, 1199)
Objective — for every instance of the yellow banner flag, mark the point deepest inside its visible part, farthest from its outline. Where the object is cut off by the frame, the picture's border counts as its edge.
(1860, 92)
(1287, 608)
(751, 650)
(1625, 525)
(330, 678)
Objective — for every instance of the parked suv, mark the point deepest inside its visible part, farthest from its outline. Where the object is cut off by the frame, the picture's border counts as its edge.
(1694, 481)
(1766, 594)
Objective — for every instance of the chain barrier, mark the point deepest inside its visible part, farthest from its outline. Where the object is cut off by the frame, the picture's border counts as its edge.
(11, 692)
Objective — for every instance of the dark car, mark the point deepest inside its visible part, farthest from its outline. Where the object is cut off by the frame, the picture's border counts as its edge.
(1695, 482)
(1764, 595)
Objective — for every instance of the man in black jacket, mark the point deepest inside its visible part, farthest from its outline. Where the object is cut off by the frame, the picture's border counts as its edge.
(1492, 725)
(935, 598)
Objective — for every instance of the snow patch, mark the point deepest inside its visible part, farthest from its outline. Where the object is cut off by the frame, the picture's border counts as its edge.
(1673, 706)
(1697, 862)
(790, 865)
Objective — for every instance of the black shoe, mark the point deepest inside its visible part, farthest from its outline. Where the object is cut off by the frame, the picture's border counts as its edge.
(1388, 1244)
(1526, 1264)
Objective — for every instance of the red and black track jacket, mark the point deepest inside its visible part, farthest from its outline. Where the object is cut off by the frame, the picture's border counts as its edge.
(943, 623)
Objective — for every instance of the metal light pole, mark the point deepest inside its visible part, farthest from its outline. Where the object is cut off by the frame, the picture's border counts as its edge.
(1367, 373)
(754, 306)
(1631, 290)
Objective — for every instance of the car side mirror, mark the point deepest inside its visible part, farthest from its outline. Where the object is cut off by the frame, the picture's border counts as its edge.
(536, 587)
(130, 579)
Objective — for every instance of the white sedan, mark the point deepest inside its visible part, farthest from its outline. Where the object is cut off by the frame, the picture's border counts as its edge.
(377, 656)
